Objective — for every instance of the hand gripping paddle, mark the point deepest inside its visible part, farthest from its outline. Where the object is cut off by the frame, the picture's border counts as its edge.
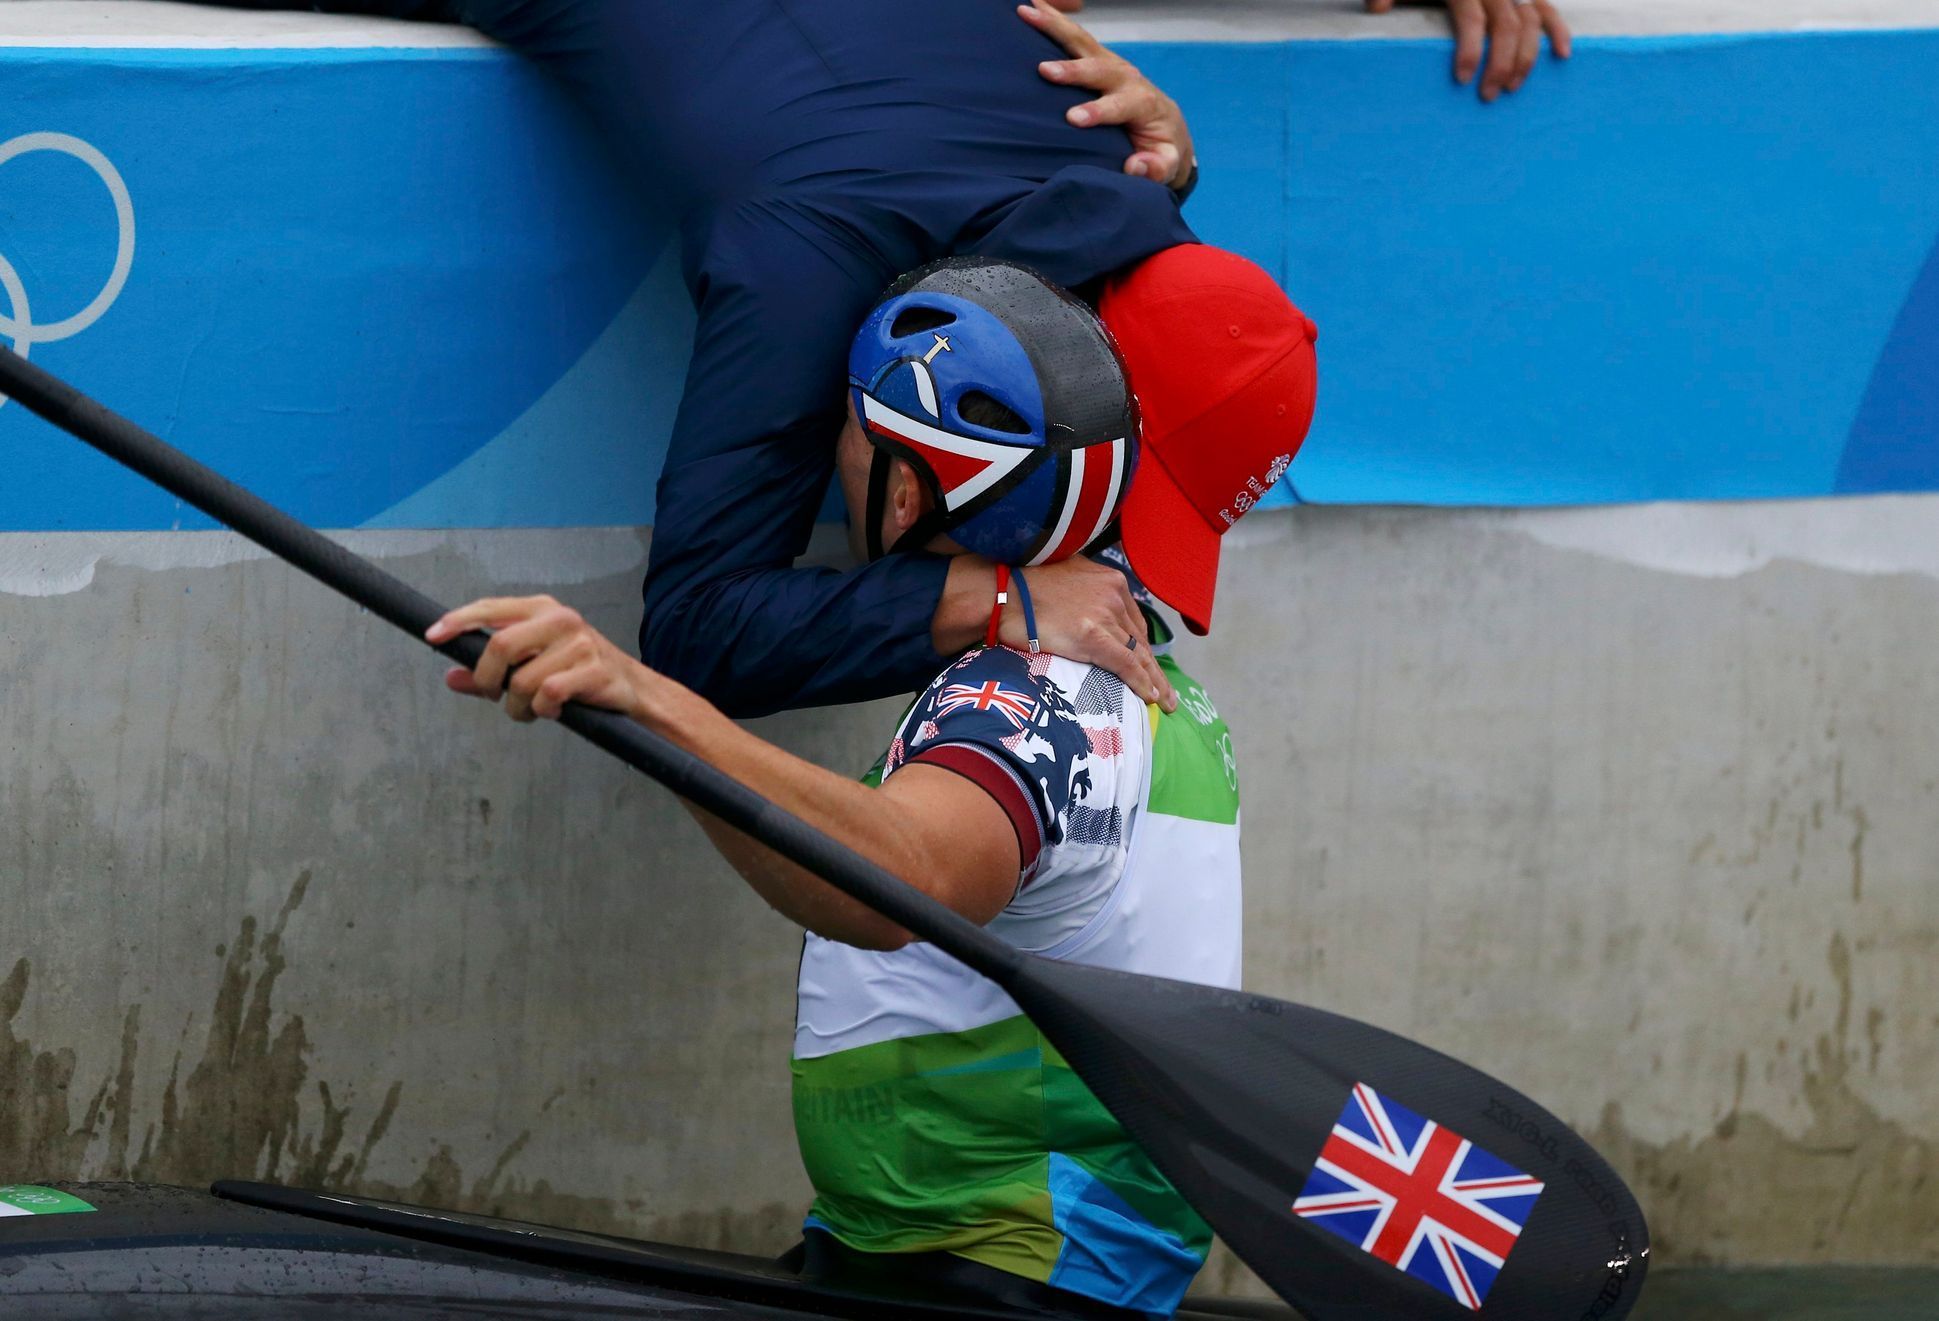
(1361, 1175)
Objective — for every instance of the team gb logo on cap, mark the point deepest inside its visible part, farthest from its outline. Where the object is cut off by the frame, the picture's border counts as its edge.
(1254, 488)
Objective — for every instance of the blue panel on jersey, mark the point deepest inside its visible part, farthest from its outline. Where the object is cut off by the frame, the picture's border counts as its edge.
(1111, 1252)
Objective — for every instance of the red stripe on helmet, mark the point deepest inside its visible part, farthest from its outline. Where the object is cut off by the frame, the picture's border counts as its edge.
(1096, 471)
(963, 466)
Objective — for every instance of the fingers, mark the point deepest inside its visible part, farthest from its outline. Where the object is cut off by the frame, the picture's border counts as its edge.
(524, 627)
(1153, 682)
(1167, 695)
(1379, 6)
(1097, 72)
(1136, 103)
(458, 680)
(1128, 96)
(541, 674)
(1470, 37)
(1060, 28)
(587, 681)
(1154, 676)
(1124, 650)
(1504, 46)
(1561, 39)
(1142, 671)
(1530, 48)
(1161, 163)
(513, 647)
(490, 612)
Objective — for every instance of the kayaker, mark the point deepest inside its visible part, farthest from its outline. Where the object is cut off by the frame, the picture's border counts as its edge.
(989, 414)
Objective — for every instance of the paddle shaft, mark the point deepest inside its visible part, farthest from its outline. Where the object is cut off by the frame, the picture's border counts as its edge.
(410, 610)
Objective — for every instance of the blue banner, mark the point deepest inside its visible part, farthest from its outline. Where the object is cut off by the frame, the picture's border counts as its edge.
(398, 287)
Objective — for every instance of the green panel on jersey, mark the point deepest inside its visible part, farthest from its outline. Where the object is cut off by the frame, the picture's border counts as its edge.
(942, 1142)
(1081, 1128)
(1193, 772)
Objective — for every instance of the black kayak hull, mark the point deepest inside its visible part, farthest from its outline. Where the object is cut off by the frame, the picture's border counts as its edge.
(250, 1250)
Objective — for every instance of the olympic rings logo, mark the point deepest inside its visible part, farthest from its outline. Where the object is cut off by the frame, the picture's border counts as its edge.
(18, 324)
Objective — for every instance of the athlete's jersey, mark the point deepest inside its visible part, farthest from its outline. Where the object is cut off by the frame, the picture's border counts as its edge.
(932, 1115)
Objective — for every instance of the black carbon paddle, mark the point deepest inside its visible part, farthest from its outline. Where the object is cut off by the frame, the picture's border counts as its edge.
(1361, 1175)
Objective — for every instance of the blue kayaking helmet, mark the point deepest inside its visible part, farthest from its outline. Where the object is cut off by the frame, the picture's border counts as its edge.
(1008, 398)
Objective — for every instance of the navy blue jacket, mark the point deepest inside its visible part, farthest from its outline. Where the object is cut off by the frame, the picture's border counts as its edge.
(814, 150)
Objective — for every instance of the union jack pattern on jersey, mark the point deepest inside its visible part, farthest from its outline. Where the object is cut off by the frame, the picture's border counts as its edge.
(1420, 1197)
(1014, 706)
(1004, 703)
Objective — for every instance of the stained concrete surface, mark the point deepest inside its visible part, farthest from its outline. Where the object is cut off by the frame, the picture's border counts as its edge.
(1645, 830)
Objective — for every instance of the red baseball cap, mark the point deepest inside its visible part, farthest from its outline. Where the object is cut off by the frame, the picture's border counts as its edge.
(1223, 367)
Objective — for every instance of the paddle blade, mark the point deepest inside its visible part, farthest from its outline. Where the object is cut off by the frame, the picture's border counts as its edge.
(1360, 1174)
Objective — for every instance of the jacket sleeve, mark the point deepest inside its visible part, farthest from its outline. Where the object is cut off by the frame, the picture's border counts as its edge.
(747, 470)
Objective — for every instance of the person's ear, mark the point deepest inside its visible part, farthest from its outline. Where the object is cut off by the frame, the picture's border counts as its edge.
(908, 498)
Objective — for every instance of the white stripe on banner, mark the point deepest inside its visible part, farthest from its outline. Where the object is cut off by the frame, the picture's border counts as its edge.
(7, 1209)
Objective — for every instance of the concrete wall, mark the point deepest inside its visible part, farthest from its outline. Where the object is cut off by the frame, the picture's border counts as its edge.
(1634, 807)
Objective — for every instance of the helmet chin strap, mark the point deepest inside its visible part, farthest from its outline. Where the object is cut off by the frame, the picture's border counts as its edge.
(878, 502)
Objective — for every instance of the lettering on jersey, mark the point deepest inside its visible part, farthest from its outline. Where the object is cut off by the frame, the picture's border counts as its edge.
(1196, 704)
(871, 1104)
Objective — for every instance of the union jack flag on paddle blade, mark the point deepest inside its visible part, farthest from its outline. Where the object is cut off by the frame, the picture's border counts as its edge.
(991, 695)
(1420, 1197)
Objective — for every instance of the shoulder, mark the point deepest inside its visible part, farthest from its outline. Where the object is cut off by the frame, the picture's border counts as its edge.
(1089, 221)
(993, 696)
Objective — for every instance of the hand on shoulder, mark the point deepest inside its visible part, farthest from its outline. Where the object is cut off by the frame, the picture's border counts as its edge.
(1161, 142)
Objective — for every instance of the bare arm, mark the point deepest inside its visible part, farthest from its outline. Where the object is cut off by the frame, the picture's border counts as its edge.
(934, 829)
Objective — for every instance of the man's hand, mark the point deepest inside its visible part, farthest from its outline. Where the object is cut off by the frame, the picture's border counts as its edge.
(1162, 144)
(1511, 31)
(552, 655)
(1085, 612)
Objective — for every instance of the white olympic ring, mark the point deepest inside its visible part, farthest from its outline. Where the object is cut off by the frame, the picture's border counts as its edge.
(19, 325)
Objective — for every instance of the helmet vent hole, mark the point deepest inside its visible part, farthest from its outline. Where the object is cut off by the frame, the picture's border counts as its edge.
(915, 320)
(982, 410)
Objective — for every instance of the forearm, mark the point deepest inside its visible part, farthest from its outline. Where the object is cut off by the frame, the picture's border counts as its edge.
(864, 818)
(962, 615)
(777, 638)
